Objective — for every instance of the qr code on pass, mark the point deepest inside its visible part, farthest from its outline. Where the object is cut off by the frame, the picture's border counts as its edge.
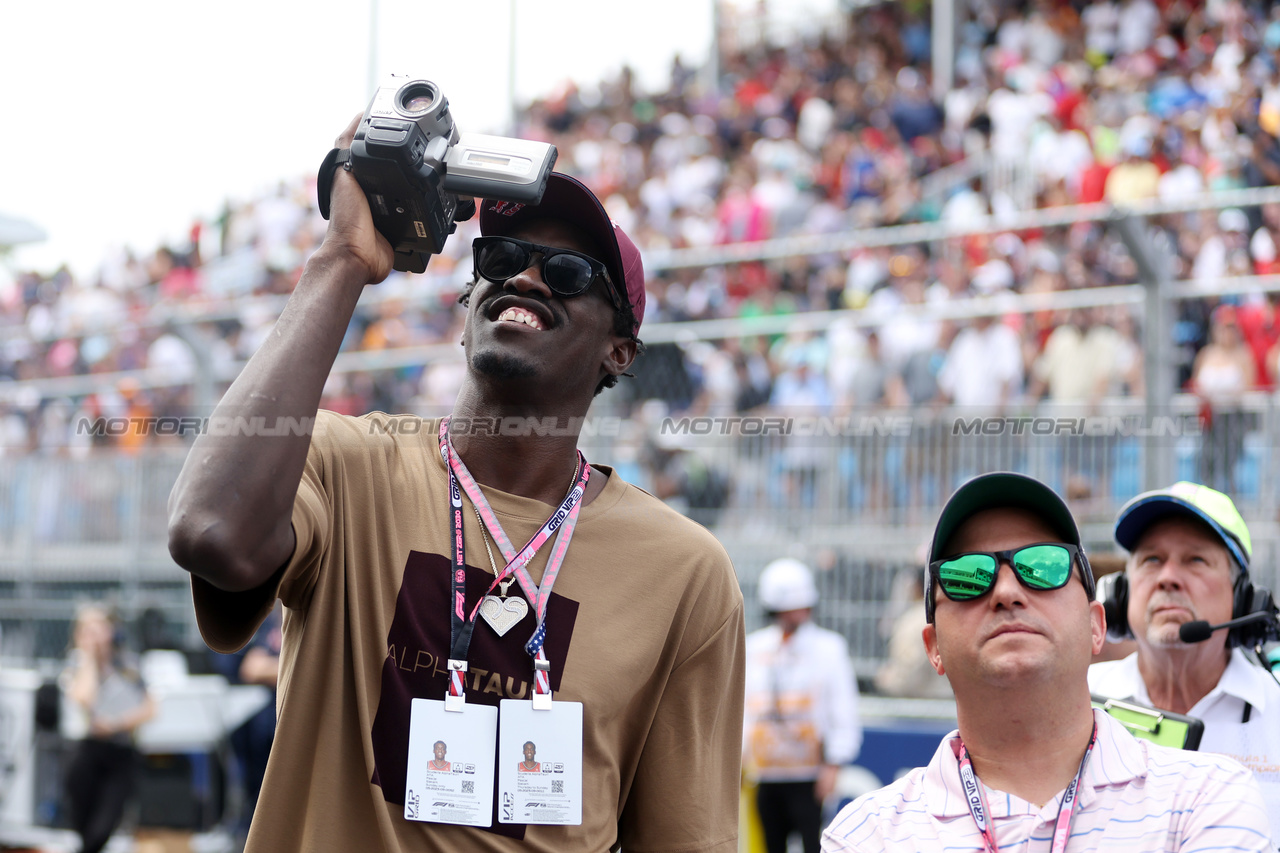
(468, 786)
(557, 786)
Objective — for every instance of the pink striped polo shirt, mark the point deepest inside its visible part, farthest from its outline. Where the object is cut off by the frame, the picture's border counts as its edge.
(1136, 797)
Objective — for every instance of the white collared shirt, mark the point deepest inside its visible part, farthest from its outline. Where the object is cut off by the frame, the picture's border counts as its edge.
(1135, 797)
(1255, 744)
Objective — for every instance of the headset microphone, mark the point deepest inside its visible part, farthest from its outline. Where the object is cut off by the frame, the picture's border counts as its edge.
(1200, 630)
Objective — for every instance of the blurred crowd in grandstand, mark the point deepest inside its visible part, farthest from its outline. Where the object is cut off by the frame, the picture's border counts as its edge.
(1093, 101)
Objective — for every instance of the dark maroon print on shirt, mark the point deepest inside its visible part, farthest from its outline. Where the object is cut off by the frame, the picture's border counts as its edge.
(416, 666)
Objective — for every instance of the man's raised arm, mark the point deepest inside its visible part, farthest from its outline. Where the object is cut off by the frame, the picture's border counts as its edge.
(230, 509)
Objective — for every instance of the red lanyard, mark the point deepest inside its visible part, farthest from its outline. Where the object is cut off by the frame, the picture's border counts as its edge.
(561, 524)
(977, 800)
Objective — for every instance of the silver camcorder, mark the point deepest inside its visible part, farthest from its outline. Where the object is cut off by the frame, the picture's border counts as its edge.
(420, 174)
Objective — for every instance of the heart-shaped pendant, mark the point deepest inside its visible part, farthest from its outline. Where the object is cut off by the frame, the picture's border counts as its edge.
(503, 613)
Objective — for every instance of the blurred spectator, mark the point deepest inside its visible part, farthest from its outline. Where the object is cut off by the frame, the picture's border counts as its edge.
(800, 391)
(1136, 27)
(907, 671)
(685, 480)
(860, 377)
(1224, 369)
(911, 109)
(901, 335)
(103, 682)
(1136, 178)
(755, 379)
(1218, 249)
(983, 368)
(1101, 22)
(1083, 360)
(1260, 326)
(802, 387)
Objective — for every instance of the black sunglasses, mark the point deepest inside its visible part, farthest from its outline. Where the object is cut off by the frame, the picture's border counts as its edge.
(566, 272)
(1042, 566)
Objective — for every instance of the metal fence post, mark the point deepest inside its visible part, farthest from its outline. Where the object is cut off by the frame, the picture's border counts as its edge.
(204, 394)
(1151, 253)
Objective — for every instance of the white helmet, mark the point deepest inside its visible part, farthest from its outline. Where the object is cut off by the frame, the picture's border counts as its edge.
(787, 584)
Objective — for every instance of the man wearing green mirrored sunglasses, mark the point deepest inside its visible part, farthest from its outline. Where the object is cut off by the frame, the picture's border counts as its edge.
(1013, 625)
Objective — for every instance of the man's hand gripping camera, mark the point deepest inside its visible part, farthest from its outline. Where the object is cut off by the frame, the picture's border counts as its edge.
(420, 174)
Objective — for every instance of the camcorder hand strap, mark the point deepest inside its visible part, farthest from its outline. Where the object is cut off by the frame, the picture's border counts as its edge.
(324, 178)
(341, 157)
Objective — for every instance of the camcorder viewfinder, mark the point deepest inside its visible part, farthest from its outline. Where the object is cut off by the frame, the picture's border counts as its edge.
(420, 174)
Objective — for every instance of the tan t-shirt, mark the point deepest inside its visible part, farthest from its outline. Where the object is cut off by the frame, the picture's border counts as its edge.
(645, 628)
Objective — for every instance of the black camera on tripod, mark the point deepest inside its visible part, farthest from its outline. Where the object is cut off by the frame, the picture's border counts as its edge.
(419, 173)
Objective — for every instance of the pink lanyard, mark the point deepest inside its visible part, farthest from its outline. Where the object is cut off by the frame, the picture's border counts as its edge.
(977, 800)
(563, 520)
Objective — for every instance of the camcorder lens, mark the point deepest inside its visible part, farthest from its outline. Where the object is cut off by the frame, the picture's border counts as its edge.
(417, 99)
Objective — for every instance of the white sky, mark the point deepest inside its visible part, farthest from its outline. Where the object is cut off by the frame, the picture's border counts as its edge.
(124, 122)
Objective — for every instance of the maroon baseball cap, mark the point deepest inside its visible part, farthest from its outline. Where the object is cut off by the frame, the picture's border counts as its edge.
(569, 200)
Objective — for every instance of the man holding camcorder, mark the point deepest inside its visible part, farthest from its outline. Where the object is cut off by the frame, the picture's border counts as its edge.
(416, 559)
(1013, 625)
(1187, 573)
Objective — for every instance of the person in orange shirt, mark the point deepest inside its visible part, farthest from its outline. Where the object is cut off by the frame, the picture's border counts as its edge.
(139, 414)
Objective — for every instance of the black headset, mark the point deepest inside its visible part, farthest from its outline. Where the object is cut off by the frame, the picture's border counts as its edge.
(1113, 592)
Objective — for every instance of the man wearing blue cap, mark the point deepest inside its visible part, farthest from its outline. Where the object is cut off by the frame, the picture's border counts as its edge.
(1189, 553)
